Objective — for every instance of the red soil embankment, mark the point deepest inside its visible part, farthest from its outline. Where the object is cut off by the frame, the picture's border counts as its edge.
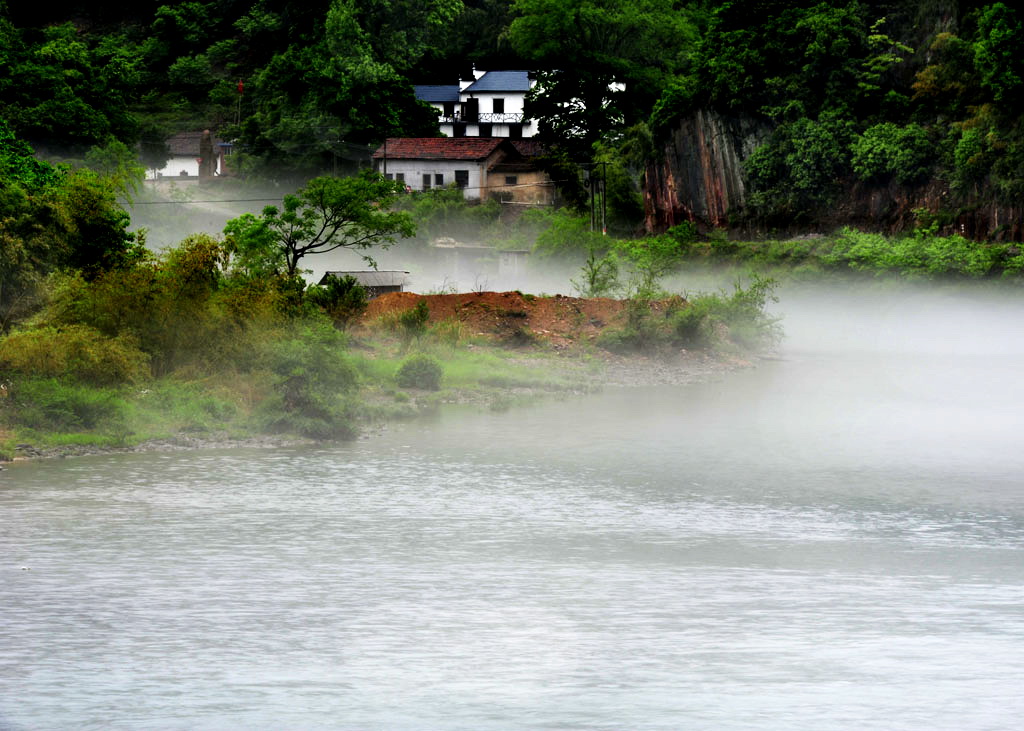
(557, 319)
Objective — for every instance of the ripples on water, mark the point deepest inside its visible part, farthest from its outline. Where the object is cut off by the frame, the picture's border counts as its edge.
(733, 555)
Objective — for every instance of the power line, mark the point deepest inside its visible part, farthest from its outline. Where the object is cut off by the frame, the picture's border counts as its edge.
(224, 200)
(543, 184)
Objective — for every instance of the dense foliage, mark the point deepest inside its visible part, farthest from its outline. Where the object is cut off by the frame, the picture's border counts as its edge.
(868, 92)
(908, 93)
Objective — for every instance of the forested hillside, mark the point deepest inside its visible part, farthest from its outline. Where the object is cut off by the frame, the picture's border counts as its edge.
(762, 115)
(877, 114)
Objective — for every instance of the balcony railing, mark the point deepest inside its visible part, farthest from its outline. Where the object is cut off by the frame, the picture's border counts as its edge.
(485, 118)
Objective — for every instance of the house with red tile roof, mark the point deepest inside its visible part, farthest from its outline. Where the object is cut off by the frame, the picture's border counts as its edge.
(482, 167)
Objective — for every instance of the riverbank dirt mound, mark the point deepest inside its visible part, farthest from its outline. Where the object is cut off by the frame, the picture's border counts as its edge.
(511, 316)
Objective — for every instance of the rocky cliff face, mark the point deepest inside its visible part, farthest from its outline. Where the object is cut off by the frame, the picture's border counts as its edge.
(698, 174)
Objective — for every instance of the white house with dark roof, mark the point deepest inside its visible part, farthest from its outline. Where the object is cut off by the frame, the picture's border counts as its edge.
(489, 105)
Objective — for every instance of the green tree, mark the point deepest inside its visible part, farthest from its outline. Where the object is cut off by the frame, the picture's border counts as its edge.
(60, 87)
(253, 247)
(800, 167)
(333, 213)
(115, 162)
(586, 46)
(997, 53)
(888, 150)
(342, 298)
(376, 40)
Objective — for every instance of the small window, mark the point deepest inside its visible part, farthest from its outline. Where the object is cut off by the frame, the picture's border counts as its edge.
(389, 176)
(499, 106)
(486, 129)
(515, 131)
(449, 109)
(511, 180)
(462, 178)
(439, 180)
(400, 177)
(426, 181)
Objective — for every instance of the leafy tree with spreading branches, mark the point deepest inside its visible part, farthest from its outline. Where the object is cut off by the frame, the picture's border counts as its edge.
(333, 213)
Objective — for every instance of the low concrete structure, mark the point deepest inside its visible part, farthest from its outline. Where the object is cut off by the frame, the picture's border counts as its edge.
(375, 283)
(463, 260)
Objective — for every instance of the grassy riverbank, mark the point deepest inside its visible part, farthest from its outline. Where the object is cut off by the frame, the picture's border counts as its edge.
(918, 255)
(73, 390)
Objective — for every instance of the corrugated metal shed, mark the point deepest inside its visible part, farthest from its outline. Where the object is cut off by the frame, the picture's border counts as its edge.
(376, 283)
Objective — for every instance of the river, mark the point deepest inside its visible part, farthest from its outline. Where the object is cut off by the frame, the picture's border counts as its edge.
(831, 540)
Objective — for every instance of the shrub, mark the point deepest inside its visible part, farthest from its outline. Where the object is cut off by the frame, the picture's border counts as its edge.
(420, 371)
(692, 325)
(449, 331)
(567, 234)
(888, 150)
(343, 299)
(796, 170)
(79, 352)
(641, 331)
(413, 322)
(599, 277)
(52, 405)
(740, 316)
(312, 375)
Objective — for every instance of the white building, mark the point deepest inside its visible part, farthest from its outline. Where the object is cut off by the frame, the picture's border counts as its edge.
(481, 166)
(490, 105)
(184, 160)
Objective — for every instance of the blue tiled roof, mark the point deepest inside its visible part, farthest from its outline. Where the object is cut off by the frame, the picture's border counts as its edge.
(428, 93)
(501, 81)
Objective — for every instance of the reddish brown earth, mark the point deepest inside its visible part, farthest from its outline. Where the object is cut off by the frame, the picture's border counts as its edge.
(562, 322)
(506, 315)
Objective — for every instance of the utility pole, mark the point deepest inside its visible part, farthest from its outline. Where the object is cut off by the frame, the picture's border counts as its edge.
(604, 198)
(590, 184)
(238, 107)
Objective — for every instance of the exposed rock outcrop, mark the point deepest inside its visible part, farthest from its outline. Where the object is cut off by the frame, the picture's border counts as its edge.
(698, 175)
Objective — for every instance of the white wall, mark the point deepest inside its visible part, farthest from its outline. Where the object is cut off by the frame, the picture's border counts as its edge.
(514, 100)
(177, 163)
(415, 169)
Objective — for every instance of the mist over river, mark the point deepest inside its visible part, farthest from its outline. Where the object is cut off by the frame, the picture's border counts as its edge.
(830, 540)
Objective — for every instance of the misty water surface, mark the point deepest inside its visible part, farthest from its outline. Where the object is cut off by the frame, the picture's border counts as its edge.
(829, 540)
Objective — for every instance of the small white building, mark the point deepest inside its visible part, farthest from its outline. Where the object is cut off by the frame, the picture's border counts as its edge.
(185, 161)
(491, 104)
